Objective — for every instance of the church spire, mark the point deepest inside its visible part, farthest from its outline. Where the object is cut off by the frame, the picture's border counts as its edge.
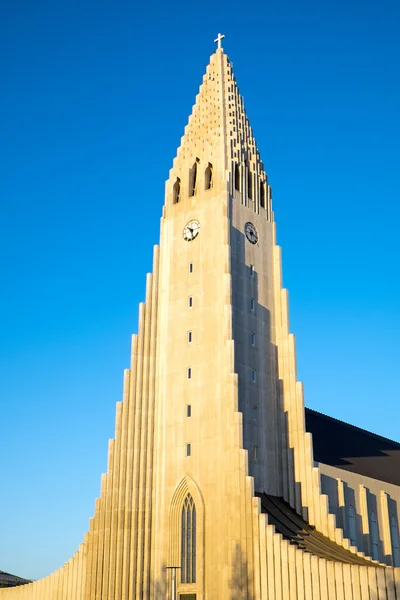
(219, 139)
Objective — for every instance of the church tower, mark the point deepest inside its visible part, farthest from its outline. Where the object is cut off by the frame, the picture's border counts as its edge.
(214, 333)
(211, 491)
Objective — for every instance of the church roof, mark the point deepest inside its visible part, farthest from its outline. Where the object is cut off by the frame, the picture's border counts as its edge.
(300, 533)
(8, 580)
(353, 449)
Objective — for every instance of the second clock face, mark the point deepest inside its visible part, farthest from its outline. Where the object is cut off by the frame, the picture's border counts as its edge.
(251, 233)
(191, 230)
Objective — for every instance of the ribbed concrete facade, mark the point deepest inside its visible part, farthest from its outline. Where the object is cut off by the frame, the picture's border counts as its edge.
(212, 418)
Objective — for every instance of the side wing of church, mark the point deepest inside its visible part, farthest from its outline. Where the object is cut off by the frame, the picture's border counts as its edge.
(213, 491)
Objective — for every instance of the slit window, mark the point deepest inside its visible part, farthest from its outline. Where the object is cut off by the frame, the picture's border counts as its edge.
(189, 373)
(188, 410)
(250, 184)
(237, 178)
(190, 301)
(251, 270)
(374, 536)
(394, 534)
(255, 452)
(193, 179)
(253, 339)
(262, 194)
(253, 376)
(351, 520)
(191, 267)
(208, 183)
(176, 192)
(252, 304)
(189, 337)
(188, 449)
(255, 413)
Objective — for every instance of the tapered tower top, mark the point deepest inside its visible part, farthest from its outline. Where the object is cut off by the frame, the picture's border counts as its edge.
(218, 136)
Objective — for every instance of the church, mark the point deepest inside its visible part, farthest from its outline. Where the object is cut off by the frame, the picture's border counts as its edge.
(220, 484)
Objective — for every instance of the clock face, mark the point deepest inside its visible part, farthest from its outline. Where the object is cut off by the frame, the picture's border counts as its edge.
(251, 233)
(191, 230)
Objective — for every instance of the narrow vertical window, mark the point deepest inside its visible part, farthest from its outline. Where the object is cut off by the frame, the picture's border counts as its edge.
(252, 304)
(237, 178)
(250, 184)
(255, 413)
(188, 541)
(253, 339)
(190, 301)
(255, 451)
(251, 270)
(183, 545)
(188, 410)
(189, 373)
(189, 337)
(351, 520)
(194, 544)
(394, 534)
(374, 536)
(176, 192)
(253, 376)
(191, 267)
(262, 194)
(193, 179)
(208, 184)
(189, 546)
(188, 449)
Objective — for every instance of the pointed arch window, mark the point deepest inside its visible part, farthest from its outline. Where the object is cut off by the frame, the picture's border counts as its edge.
(237, 178)
(188, 541)
(176, 195)
(351, 520)
(208, 184)
(394, 534)
(374, 536)
(262, 194)
(193, 179)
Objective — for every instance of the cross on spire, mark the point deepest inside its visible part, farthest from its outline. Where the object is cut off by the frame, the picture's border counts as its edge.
(219, 39)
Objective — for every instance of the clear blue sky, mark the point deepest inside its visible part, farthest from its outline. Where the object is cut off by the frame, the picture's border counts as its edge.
(95, 96)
